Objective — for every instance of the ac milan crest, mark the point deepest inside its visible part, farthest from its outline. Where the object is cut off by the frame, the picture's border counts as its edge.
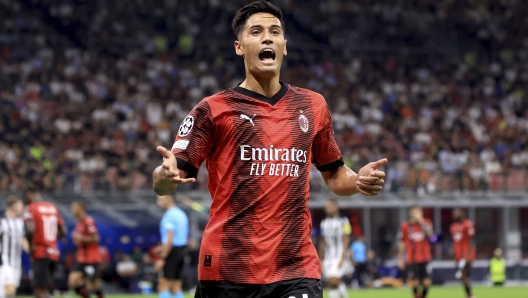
(303, 123)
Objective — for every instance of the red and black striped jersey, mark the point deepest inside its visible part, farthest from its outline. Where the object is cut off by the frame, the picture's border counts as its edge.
(417, 247)
(258, 153)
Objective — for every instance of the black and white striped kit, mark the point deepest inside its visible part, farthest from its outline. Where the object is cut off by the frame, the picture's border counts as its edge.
(11, 234)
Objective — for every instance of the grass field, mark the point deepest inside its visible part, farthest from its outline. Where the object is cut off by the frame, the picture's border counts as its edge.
(436, 292)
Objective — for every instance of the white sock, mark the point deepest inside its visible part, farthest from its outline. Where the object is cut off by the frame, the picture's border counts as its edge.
(334, 293)
(343, 290)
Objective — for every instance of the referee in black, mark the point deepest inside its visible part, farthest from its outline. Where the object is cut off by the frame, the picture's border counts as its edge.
(174, 230)
(12, 242)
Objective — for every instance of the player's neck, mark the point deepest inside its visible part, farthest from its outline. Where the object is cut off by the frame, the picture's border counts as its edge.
(10, 214)
(266, 87)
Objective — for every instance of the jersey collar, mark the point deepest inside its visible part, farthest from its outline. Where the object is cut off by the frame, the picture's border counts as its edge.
(270, 100)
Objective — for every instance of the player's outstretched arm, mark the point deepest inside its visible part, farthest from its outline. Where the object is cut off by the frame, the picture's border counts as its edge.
(344, 182)
(167, 176)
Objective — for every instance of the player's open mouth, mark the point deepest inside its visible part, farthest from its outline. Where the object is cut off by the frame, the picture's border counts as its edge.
(267, 55)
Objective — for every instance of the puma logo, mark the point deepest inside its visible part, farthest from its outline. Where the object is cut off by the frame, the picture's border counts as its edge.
(245, 117)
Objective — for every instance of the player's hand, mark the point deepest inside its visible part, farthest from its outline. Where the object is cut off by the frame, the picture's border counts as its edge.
(341, 262)
(170, 168)
(159, 265)
(76, 237)
(417, 216)
(371, 180)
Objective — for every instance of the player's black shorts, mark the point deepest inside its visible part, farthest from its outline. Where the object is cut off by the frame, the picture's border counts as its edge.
(174, 263)
(419, 271)
(90, 271)
(43, 270)
(298, 288)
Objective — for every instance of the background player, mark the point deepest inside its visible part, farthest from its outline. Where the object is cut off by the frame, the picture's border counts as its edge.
(12, 241)
(259, 170)
(88, 258)
(335, 230)
(414, 241)
(44, 226)
(462, 232)
(174, 230)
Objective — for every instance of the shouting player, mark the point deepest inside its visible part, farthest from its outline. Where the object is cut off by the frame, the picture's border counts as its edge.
(462, 232)
(44, 226)
(336, 231)
(259, 140)
(86, 266)
(414, 241)
(12, 242)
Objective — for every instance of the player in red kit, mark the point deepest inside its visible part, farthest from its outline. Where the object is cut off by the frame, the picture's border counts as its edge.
(259, 140)
(414, 241)
(86, 266)
(462, 232)
(44, 226)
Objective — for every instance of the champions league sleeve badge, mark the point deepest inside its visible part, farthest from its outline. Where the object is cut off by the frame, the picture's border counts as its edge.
(186, 126)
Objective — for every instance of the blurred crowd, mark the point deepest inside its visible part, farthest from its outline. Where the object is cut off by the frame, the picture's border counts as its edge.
(86, 94)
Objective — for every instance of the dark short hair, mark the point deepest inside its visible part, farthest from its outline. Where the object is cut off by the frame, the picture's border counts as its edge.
(334, 201)
(11, 200)
(260, 6)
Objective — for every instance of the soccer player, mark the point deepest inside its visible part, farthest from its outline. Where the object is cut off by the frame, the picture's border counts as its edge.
(335, 230)
(414, 241)
(462, 232)
(258, 140)
(174, 230)
(88, 259)
(12, 242)
(44, 226)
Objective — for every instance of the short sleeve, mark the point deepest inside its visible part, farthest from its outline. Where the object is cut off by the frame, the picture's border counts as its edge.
(326, 153)
(403, 235)
(429, 224)
(28, 214)
(167, 224)
(470, 229)
(194, 139)
(90, 227)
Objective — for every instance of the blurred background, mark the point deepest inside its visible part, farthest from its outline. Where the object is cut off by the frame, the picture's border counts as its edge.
(89, 88)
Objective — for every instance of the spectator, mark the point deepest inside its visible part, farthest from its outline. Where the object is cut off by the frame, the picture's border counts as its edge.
(137, 254)
(126, 272)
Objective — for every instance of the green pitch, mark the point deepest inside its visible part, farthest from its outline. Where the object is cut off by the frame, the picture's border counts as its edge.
(436, 292)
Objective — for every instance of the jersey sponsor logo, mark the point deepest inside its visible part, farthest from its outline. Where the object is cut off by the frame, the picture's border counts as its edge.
(47, 210)
(457, 237)
(180, 144)
(276, 155)
(304, 124)
(186, 126)
(246, 117)
(417, 236)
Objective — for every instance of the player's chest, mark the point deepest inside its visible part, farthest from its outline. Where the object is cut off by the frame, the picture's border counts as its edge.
(458, 232)
(13, 229)
(80, 228)
(416, 234)
(268, 124)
